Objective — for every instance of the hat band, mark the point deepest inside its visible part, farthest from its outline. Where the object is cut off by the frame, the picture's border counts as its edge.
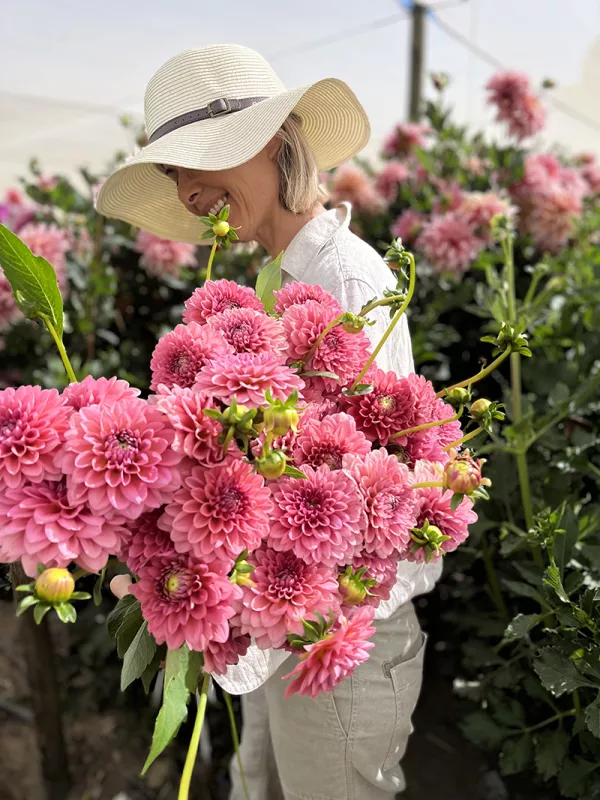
(217, 108)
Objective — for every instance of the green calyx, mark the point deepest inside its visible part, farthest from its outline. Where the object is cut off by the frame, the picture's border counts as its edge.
(485, 412)
(219, 228)
(272, 465)
(281, 416)
(428, 538)
(508, 337)
(314, 631)
(238, 423)
(242, 570)
(354, 587)
(53, 588)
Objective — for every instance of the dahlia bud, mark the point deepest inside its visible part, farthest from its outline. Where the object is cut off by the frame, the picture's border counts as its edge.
(439, 80)
(479, 407)
(55, 586)
(462, 475)
(353, 323)
(354, 587)
(458, 397)
(233, 416)
(242, 571)
(271, 466)
(548, 83)
(429, 538)
(280, 421)
(221, 228)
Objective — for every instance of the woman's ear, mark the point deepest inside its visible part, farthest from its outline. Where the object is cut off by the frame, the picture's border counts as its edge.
(272, 148)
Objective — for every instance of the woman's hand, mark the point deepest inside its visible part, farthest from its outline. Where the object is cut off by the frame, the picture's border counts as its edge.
(120, 585)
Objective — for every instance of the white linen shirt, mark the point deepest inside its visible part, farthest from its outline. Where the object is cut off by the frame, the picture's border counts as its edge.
(327, 253)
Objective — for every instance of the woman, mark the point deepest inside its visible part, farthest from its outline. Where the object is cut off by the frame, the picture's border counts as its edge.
(223, 129)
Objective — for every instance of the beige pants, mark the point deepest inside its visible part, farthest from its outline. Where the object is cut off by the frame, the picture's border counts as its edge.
(344, 745)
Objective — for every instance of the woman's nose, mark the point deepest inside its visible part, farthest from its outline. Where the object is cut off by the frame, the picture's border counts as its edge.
(188, 189)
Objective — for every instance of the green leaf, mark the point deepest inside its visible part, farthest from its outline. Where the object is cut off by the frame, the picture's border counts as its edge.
(359, 389)
(565, 542)
(174, 708)
(557, 672)
(293, 472)
(98, 588)
(520, 625)
(153, 667)
(456, 501)
(521, 588)
(66, 612)
(318, 374)
(552, 579)
(269, 281)
(572, 778)
(192, 674)
(32, 280)
(479, 728)
(116, 617)
(592, 716)
(516, 754)
(139, 654)
(80, 596)
(26, 603)
(550, 751)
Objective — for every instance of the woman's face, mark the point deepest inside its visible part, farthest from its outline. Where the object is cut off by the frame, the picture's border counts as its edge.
(252, 190)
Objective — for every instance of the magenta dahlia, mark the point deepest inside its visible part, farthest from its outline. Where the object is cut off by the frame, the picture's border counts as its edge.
(33, 423)
(219, 512)
(250, 331)
(284, 591)
(185, 600)
(321, 519)
(147, 541)
(449, 243)
(217, 296)
(91, 391)
(196, 434)
(162, 257)
(327, 662)
(388, 408)
(382, 570)
(220, 655)
(38, 524)
(297, 293)
(327, 441)
(119, 458)
(247, 376)
(180, 354)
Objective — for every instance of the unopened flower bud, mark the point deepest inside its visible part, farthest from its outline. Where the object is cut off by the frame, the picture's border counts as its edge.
(479, 407)
(221, 228)
(458, 397)
(55, 586)
(353, 323)
(462, 475)
(280, 421)
(271, 466)
(548, 83)
(439, 80)
(351, 590)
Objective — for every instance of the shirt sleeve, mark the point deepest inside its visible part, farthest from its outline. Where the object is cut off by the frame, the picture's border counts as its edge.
(352, 294)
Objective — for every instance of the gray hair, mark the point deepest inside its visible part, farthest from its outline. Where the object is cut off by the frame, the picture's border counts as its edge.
(299, 187)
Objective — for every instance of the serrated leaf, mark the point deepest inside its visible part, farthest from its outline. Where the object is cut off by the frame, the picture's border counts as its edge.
(552, 579)
(98, 588)
(592, 716)
(550, 751)
(516, 754)
(557, 672)
(520, 625)
(323, 374)
(479, 728)
(565, 542)
(32, 279)
(269, 281)
(119, 612)
(572, 778)
(293, 472)
(139, 654)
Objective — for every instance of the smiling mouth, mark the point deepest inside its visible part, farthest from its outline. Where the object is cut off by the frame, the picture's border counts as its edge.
(216, 207)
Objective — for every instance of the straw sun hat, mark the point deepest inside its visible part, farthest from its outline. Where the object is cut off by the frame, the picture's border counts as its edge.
(215, 108)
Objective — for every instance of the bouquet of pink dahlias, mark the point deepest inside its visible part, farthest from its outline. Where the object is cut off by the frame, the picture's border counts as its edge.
(264, 491)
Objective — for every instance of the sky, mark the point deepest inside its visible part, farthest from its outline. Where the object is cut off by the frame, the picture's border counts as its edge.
(68, 69)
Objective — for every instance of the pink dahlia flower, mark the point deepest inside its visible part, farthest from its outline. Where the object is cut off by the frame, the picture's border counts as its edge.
(91, 391)
(408, 225)
(162, 257)
(219, 512)
(15, 212)
(284, 591)
(405, 138)
(391, 176)
(196, 434)
(49, 242)
(551, 218)
(382, 570)
(147, 542)
(247, 376)
(478, 209)
(591, 175)
(318, 411)
(186, 601)
(341, 353)
(321, 519)
(448, 196)
(38, 524)
(352, 184)
(9, 310)
(220, 655)
(449, 244)
(389, 500)
(433, 505)
(297, 293)
(119, 458)
(388, 408)
(250, 331)
(327, 662)
(516, 104)
(217, 296)
(328, 440)
(180, 354)
(33, 423)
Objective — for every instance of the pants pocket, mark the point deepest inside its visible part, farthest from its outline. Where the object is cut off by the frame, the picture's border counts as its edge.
(405, 675)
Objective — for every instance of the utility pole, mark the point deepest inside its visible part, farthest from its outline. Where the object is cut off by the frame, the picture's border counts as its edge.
(417, 50)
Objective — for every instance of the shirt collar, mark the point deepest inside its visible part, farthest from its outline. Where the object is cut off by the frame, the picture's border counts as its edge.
(310, 239)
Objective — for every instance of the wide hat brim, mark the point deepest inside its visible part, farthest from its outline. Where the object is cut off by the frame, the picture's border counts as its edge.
(334, 124)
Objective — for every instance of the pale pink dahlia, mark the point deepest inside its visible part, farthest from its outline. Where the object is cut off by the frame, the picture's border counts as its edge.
(162, 257)
(433, 505)
(297, 293)
(388, 408)
(408, 225)
(49, 242)
(249, 331)
(180, 354)
(448, 196)
(284, 591)
(478, 209)
(33, 423)
(247, 376)
(391, 176)
(147, 541)
(384, 484)
(318, 411)
(449, 243)
(320, 518)
(591, 175)
(185, 600)
(341, 353)
(196, 434)
(9, 310)
(351, 183)
(219, 512)
(516, 104)
(38, 524)
(91, 391)
(327, 662)
(327, 441)
(551, 218)
(405, 138)
(15, 211)
(119, 458)
(382, 570)
(217, 296)
(220, 655)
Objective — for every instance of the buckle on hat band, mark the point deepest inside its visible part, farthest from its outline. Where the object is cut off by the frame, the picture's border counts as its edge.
(216, 108)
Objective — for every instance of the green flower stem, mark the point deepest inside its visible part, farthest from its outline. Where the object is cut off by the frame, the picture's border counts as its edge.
(192, 753)
(535, 279)
(61, 348)
(79, 573)
(464, 439)
(321, 337)
(211, 257)
(549, 721)
(480, 375)
(386, 301)
(490, 571)
(236, 742)
(426, 484)
(392, 325)
(427, 425)
(576, 701)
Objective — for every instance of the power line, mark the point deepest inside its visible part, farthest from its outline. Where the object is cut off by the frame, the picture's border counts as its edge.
(93, 108)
